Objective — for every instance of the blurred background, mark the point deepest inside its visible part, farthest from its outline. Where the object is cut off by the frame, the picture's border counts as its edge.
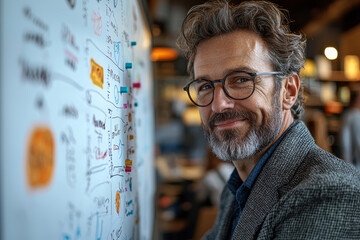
(189, 177)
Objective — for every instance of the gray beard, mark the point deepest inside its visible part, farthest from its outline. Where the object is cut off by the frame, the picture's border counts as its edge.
(227, 144)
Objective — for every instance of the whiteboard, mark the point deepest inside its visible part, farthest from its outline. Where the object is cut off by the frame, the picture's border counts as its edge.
(77, 123)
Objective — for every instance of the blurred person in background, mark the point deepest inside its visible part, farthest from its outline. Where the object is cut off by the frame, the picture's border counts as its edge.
(350, 131)
(245, 62)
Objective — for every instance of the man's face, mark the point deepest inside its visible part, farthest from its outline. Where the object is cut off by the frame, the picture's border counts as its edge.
(238, 129)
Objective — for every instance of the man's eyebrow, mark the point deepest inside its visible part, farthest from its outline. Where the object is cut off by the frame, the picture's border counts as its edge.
(203, 77)
(227, 71)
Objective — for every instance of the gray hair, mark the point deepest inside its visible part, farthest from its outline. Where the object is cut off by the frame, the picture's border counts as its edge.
(286, 49)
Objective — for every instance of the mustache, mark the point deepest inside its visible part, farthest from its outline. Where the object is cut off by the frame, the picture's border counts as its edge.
(230, 115)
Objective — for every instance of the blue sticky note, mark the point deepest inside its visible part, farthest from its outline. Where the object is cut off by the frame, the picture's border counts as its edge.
(128, 65)
(124, 89)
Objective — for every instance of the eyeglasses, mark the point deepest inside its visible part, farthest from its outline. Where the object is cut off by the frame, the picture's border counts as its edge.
(238, 85)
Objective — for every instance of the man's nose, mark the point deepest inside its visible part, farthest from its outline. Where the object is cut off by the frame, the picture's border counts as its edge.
(221, 100)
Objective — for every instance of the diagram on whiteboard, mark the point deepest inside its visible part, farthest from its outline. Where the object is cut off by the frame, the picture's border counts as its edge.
(77, 120)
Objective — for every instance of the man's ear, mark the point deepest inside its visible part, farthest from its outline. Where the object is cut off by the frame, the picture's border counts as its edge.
(291, 87)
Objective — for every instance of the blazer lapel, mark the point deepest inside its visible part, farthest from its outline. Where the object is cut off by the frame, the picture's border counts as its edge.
(277, 171)
(224, 220)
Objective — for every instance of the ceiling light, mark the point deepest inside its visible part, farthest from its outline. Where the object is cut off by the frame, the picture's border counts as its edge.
(331, 53)
(164, 54)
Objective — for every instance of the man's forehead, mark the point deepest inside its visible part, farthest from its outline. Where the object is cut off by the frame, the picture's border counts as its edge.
(232, 51)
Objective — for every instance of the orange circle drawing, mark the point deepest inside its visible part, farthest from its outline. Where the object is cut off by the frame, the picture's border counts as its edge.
(117, 202)
(40, 157)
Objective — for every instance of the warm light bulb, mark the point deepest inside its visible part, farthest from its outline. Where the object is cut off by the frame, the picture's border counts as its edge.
(331, 53)
(351, 67)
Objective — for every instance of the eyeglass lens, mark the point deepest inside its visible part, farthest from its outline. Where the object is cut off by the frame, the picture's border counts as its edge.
(239, 85)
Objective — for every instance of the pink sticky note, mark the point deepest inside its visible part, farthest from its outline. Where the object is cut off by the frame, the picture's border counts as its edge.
(137, 85)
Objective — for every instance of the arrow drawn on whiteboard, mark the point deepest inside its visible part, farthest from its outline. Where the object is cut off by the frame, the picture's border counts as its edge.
(62, 77)
(96, 169)
(89, 98)
(119, 118)
(90, 41)
(98, 185)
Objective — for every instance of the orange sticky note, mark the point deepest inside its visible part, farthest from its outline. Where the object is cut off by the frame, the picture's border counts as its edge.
(40, 160)
(128, 162)
(97, 74)
(117, 202)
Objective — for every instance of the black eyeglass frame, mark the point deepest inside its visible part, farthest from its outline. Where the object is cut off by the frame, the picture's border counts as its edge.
(212, 82)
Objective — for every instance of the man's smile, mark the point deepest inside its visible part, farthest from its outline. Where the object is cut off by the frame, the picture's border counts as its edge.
(230, 123)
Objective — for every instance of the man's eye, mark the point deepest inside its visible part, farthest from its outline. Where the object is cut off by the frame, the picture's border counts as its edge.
(204, 87)
(238, 80)
(241, 79)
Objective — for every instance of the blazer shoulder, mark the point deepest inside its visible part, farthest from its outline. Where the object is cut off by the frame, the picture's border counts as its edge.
(325, 205)
(322, 175)
(321, 169)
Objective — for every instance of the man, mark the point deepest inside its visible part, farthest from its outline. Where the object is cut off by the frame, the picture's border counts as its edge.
(350, 131)
(245, 63)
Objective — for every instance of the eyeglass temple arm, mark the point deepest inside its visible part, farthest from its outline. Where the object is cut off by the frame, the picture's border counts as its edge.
(267, 73)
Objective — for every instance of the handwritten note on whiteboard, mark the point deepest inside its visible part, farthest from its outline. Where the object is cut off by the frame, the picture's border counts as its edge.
(76, 120)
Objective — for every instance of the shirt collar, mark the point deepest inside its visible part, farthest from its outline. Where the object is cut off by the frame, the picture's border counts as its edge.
(235, 181)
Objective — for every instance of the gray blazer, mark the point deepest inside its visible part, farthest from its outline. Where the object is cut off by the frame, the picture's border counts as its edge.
(302, 192)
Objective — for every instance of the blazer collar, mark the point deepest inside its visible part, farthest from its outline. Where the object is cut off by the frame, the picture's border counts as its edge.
(277, 172)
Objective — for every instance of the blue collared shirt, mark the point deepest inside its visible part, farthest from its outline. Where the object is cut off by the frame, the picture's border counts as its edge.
(241, 189)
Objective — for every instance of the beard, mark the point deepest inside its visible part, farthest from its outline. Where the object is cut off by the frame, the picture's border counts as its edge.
(228, 145)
